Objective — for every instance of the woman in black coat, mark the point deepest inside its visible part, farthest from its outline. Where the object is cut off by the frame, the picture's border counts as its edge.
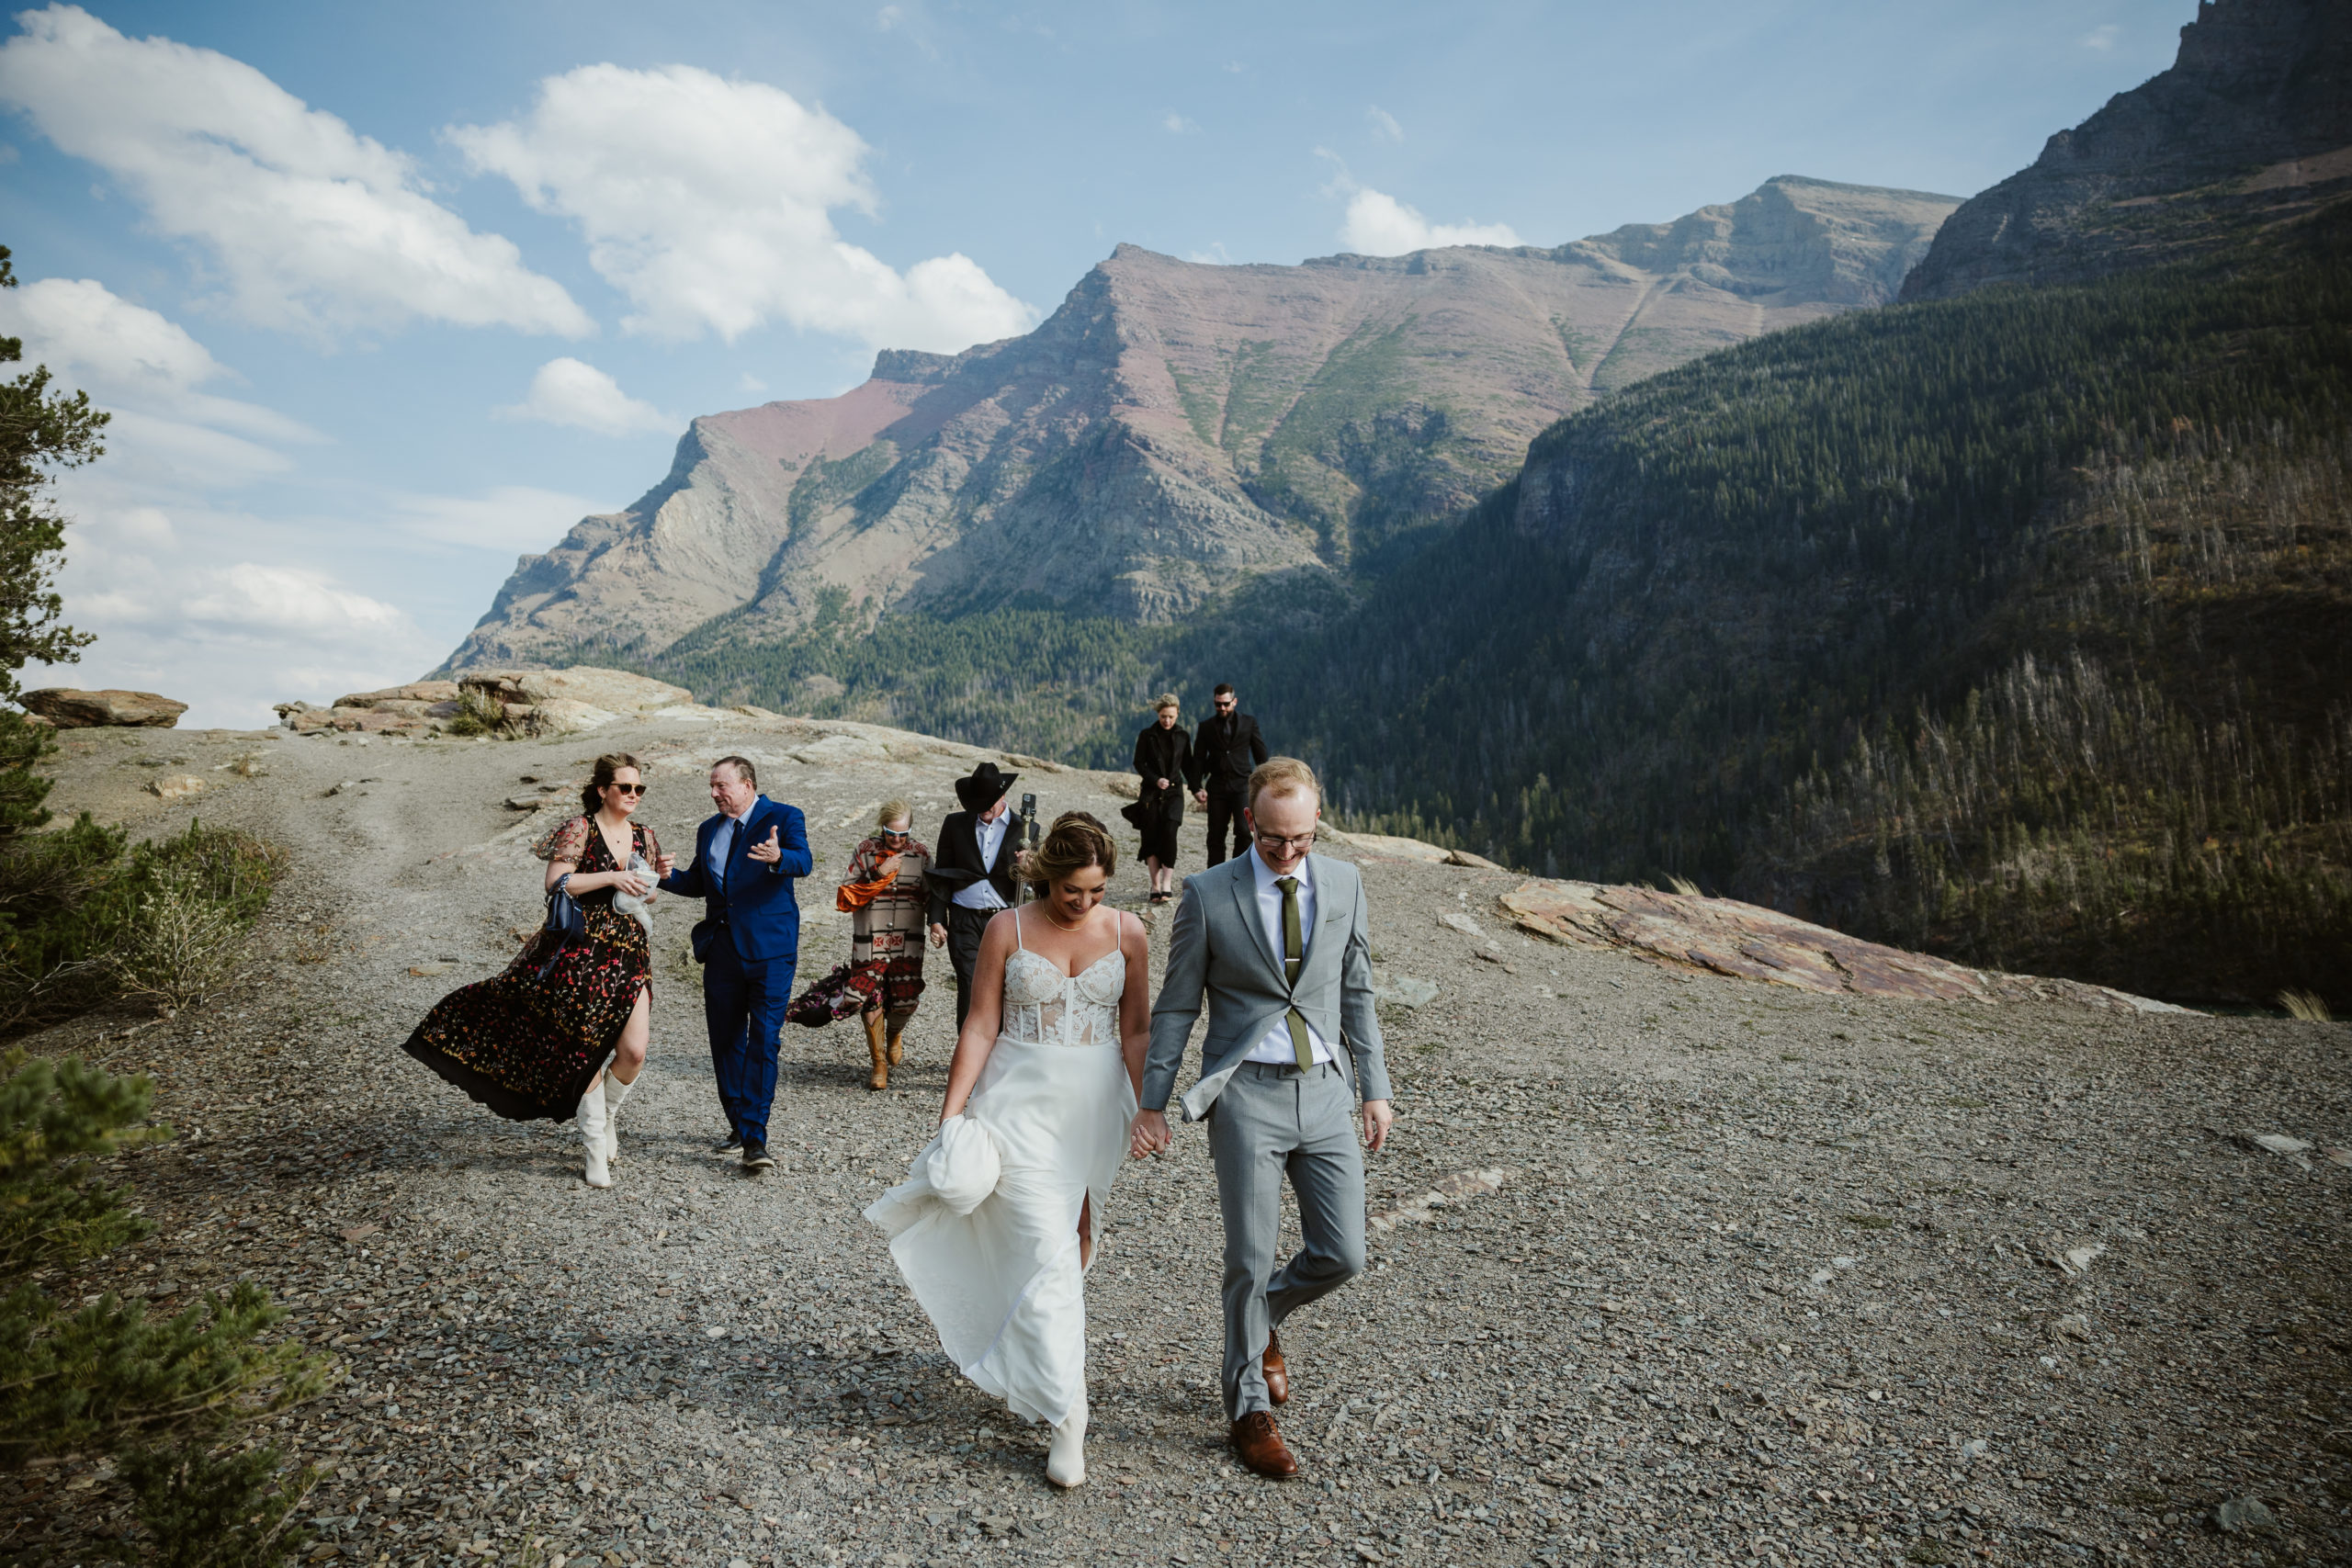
(1164, 759)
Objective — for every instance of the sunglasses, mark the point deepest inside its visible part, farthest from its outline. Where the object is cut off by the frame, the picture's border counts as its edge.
(628, 789)
(897, 833)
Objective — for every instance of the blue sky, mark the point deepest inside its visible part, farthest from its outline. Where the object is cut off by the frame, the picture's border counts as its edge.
(385, 295)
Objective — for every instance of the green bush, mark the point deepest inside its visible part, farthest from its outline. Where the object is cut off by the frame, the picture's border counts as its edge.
(476, 715)
(86, 917)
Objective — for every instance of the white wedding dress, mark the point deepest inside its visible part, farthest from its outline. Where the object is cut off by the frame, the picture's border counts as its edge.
(1002, 1284)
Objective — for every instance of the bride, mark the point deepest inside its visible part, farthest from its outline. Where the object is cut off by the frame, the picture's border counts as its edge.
(1002, 1211)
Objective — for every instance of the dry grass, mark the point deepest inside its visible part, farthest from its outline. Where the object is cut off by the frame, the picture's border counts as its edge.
(2305, 1006)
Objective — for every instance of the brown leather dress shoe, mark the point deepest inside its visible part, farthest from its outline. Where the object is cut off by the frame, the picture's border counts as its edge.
(1259, 1445)
(1276, 1370)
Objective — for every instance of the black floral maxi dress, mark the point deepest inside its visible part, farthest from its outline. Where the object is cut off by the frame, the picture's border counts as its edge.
(528, 1044)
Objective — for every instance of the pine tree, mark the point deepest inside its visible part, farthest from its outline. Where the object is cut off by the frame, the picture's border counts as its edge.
(163, 1395)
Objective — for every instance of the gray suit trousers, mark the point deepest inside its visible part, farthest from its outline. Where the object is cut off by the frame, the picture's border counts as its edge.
(1273, 1123)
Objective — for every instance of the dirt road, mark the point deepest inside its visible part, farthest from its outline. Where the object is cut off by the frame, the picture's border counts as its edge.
(1743, 1275)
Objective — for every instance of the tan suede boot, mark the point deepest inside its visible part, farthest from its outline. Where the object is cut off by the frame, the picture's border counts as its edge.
(897, 1028)
(881, 1078)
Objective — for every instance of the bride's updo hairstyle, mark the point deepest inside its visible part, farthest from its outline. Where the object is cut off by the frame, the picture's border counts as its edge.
(608, 768)
(1077, 841)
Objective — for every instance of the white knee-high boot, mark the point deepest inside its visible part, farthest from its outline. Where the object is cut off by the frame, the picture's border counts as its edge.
(594, 1128)
(1066, 1459)
(615, 1096)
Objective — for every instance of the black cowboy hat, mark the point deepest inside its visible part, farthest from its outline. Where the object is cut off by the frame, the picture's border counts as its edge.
(984, 787)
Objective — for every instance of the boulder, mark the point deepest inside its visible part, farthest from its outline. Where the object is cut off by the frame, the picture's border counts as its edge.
(70, 709)
(564, 715)
(420, 691)
(174, 786)
(615, 691)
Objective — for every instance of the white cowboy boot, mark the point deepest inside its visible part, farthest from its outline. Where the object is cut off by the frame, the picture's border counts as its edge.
(615, 1096)
(596, 1129)
(1066, 1459)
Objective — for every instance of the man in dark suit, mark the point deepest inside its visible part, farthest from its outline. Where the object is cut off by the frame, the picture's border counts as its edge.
(973, 872)
(1226, 749)
(748, 942)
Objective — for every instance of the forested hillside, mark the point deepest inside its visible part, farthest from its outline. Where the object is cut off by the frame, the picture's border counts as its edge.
(2018, 626)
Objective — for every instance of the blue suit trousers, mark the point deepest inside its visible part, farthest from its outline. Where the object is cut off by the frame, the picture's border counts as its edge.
(743, 1003)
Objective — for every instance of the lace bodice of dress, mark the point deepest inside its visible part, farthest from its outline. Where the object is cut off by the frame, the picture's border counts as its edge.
(1044, 1007)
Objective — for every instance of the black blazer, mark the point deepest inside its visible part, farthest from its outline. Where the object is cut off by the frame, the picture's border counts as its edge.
(1163, 754)
(958, 857)
(1227, 751)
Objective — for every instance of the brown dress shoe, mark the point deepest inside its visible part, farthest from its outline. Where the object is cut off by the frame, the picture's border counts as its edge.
(1276, 1370)
(1259, 1445)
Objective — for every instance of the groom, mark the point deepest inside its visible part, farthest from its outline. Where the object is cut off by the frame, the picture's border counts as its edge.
(1281, 941)
(746, 858)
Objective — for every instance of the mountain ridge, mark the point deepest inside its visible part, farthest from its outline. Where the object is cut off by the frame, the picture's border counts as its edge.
(2250, 128)
(1176, 428)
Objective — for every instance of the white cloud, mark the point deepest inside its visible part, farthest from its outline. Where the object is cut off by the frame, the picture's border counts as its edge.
(572, 391)
(128, 356)
(255, 598)
(314, 225)
(1215, 255)
(1177, 125)
(751, 383)
(2101, 37)
(709, 202)
(1377, 224)
(516, 519)
(1384, 124)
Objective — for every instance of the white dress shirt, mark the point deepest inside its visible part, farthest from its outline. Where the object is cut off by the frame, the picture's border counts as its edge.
(982, 895)
(1276, 1047)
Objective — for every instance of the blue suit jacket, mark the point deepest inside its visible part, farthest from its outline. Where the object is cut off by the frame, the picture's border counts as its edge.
(752, 904)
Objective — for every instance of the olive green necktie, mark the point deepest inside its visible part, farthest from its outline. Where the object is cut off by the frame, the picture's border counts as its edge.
(1294, 959)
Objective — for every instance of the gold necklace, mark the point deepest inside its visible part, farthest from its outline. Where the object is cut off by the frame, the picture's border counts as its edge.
(1058, 925)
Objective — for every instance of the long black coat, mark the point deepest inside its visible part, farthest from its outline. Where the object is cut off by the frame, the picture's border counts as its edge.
(1226, 752)
(1163, 754)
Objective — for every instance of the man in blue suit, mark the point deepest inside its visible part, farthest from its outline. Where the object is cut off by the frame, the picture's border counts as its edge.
(748, 942)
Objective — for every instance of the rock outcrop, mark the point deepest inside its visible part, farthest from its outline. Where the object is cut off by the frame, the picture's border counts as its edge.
(68, 707)
(1175, 428)
(537, 702)
(2250, 128)
(1746, 942)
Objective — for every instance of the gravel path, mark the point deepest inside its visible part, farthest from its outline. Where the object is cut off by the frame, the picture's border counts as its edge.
(1715, 1273)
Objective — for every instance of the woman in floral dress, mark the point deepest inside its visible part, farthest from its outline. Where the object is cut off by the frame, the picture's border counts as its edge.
(883, 891)
(534, 1041)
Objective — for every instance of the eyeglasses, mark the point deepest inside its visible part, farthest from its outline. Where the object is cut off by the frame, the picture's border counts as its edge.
(1224, 705)
(1276, 841)
(628, 789)
(897, 833)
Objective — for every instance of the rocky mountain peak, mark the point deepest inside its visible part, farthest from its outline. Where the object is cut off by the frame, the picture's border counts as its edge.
(2250, 128)
(1176, 427)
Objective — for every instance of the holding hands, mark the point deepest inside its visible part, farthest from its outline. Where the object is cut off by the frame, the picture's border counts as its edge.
(1148, 1133)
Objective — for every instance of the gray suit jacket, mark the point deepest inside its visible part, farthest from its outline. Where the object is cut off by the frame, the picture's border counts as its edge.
(1220, 947)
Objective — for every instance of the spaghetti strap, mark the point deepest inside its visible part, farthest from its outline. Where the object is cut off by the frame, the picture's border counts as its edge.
(1018, 944)
(1114, 935)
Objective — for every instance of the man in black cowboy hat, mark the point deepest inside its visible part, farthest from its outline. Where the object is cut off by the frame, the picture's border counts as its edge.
(972, 871)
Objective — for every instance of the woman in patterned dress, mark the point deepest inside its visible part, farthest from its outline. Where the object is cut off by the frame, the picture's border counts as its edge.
(534, 1041)
(882, 892)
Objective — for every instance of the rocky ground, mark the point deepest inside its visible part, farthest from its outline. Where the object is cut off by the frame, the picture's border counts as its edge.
(1666, 1267)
